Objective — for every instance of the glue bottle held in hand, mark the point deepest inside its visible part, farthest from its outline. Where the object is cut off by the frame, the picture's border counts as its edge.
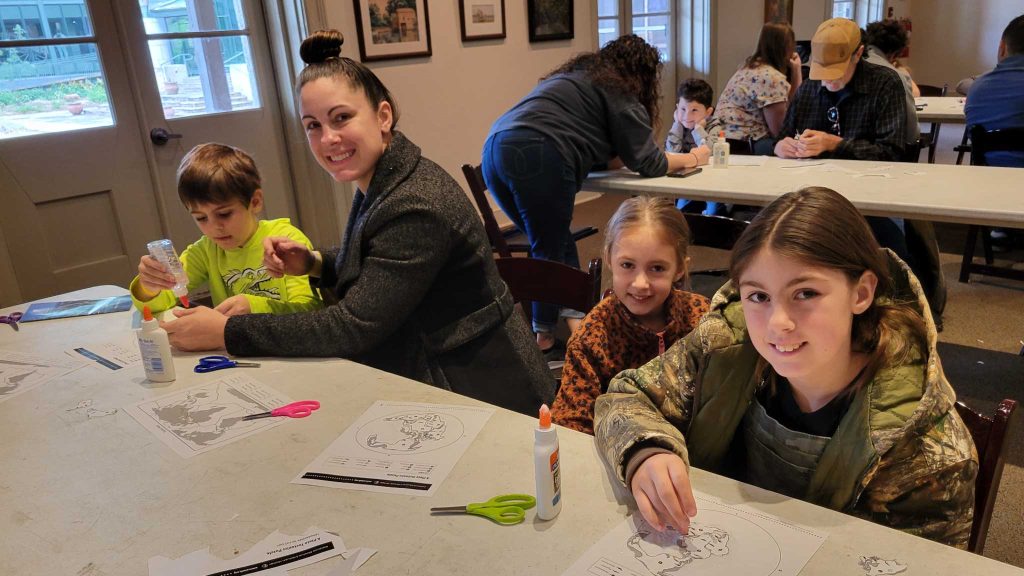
(155, 349)
(163, 250)
(720, 152)
(547, 469)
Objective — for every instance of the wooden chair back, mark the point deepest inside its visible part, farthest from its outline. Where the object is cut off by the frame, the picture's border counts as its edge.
(989, 436)
(535, 280)
(475, 178)
(719, 232)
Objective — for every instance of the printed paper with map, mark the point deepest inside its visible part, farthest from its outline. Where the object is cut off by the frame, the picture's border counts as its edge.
(20, 372)
(208, 416)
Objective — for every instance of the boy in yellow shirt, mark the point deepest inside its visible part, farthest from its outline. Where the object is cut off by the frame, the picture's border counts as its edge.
(220, 186)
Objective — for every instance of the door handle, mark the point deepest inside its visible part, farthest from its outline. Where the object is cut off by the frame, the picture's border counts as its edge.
(161, 136)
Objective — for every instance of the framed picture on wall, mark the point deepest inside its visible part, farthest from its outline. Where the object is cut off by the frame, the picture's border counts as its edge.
(482, 19)
(390, 29)
(549, 19)
(778, 11)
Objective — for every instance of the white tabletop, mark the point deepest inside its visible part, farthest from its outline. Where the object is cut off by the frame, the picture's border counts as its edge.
(102, 496)
(940, 192)
(940, 109)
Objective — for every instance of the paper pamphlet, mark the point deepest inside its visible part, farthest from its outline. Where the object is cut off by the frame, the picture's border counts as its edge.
(20, 372)
(722, 540)
(70, 308)
(398, 447)
(208, 416)
(273, 556)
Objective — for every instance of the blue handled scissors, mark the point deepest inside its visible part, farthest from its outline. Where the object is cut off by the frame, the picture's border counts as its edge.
(299, 409)
(506, 509)
(13, 318)
(211, 363)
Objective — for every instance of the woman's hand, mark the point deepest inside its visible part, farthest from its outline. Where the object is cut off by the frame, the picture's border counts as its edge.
(702, 153)
(283, 255)
(235, 306)
(154, 277)
(196, 329)
(661, 487)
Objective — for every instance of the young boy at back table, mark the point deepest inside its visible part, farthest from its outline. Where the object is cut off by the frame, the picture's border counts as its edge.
(220, 186)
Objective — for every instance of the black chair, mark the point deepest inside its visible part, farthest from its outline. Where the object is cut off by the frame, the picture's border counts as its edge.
(512, 240)
(535, 280)
(930, 140)
(964, 147)
(982, 142)
(718, 232)
(989, 435)
(740, 147)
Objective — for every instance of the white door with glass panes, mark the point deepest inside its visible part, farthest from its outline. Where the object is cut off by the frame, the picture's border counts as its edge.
(99, 101)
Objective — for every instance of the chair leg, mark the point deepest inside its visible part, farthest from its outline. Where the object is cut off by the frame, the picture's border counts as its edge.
(986, 244)
(965, 264)
(962, 148)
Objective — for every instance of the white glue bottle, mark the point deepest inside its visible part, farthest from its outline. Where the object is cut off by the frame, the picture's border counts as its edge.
(155, 349)
(547, 470)
(163, 250)
(720, 152)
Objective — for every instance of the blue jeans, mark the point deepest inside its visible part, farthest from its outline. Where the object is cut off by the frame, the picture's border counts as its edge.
(536, 188)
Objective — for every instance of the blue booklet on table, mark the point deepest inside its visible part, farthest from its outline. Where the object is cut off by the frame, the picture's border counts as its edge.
(70, 308)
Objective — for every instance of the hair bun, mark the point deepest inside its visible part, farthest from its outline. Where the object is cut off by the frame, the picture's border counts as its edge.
(321, 46)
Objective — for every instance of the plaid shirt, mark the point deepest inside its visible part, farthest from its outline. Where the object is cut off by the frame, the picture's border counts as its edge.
(872, 114)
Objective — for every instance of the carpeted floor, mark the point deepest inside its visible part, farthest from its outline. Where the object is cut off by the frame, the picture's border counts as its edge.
(983, 333)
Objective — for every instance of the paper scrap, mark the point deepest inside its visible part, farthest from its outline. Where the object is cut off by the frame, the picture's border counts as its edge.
(20, 372)
(110, 355)
(272, 556)
(208, 416)
(722, 540)
(397, 447)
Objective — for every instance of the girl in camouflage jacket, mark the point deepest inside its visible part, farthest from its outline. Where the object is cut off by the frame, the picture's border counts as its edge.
(815, 375)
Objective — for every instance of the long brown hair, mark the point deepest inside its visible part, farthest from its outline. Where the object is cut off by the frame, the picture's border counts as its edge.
(659, 214)
(627, 65)
(774, 47)
(819, 227)
(321, 52)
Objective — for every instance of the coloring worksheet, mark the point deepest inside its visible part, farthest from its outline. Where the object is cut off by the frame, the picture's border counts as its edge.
(208, 416)
(722, 540)
(20, 372)
(397, 447)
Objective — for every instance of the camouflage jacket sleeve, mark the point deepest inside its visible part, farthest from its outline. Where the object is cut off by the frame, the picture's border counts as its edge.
(926, 486)
(651, 405)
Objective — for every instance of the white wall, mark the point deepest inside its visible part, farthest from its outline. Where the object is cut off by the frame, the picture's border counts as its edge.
(952, 39)
(449, 100)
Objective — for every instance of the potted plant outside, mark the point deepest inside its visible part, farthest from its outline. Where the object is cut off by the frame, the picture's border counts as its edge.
(73, 103)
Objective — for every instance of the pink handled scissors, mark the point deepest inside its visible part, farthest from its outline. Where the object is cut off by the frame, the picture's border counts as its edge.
(299, 409)
(13, 318)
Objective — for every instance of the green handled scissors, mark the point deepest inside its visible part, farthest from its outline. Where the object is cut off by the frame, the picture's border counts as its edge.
(505, 509)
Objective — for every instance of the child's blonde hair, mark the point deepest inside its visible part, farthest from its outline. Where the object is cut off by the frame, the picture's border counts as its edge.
(645, 211)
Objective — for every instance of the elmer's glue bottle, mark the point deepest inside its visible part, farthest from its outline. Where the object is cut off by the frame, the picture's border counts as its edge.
(163, 250)
(155, 349)
(547, 469)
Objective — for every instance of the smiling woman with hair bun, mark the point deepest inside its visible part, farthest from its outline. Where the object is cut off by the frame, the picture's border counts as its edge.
(418, 292)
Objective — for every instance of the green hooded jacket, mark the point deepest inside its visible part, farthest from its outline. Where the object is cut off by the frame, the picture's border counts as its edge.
(901, 457)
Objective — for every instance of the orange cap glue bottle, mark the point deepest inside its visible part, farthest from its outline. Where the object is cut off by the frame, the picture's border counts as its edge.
(155, 349)
(547, 469)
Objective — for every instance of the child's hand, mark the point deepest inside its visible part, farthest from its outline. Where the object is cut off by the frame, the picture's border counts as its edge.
(153, 276)
(235, 306)
(198, 328)
(661, 487)
(283, 255)
(795, 64)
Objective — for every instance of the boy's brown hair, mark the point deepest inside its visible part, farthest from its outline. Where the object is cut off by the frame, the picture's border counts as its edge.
(215, 173)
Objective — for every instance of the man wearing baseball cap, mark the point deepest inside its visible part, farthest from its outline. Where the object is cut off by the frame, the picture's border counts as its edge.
(849, 108)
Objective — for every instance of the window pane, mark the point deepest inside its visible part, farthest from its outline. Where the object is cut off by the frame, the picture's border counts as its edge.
(204, 75)
(607, 8)
(646, 6)
(191, 15)
(607, 30)
(46, 89)
(842, 10)
(655, 30)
